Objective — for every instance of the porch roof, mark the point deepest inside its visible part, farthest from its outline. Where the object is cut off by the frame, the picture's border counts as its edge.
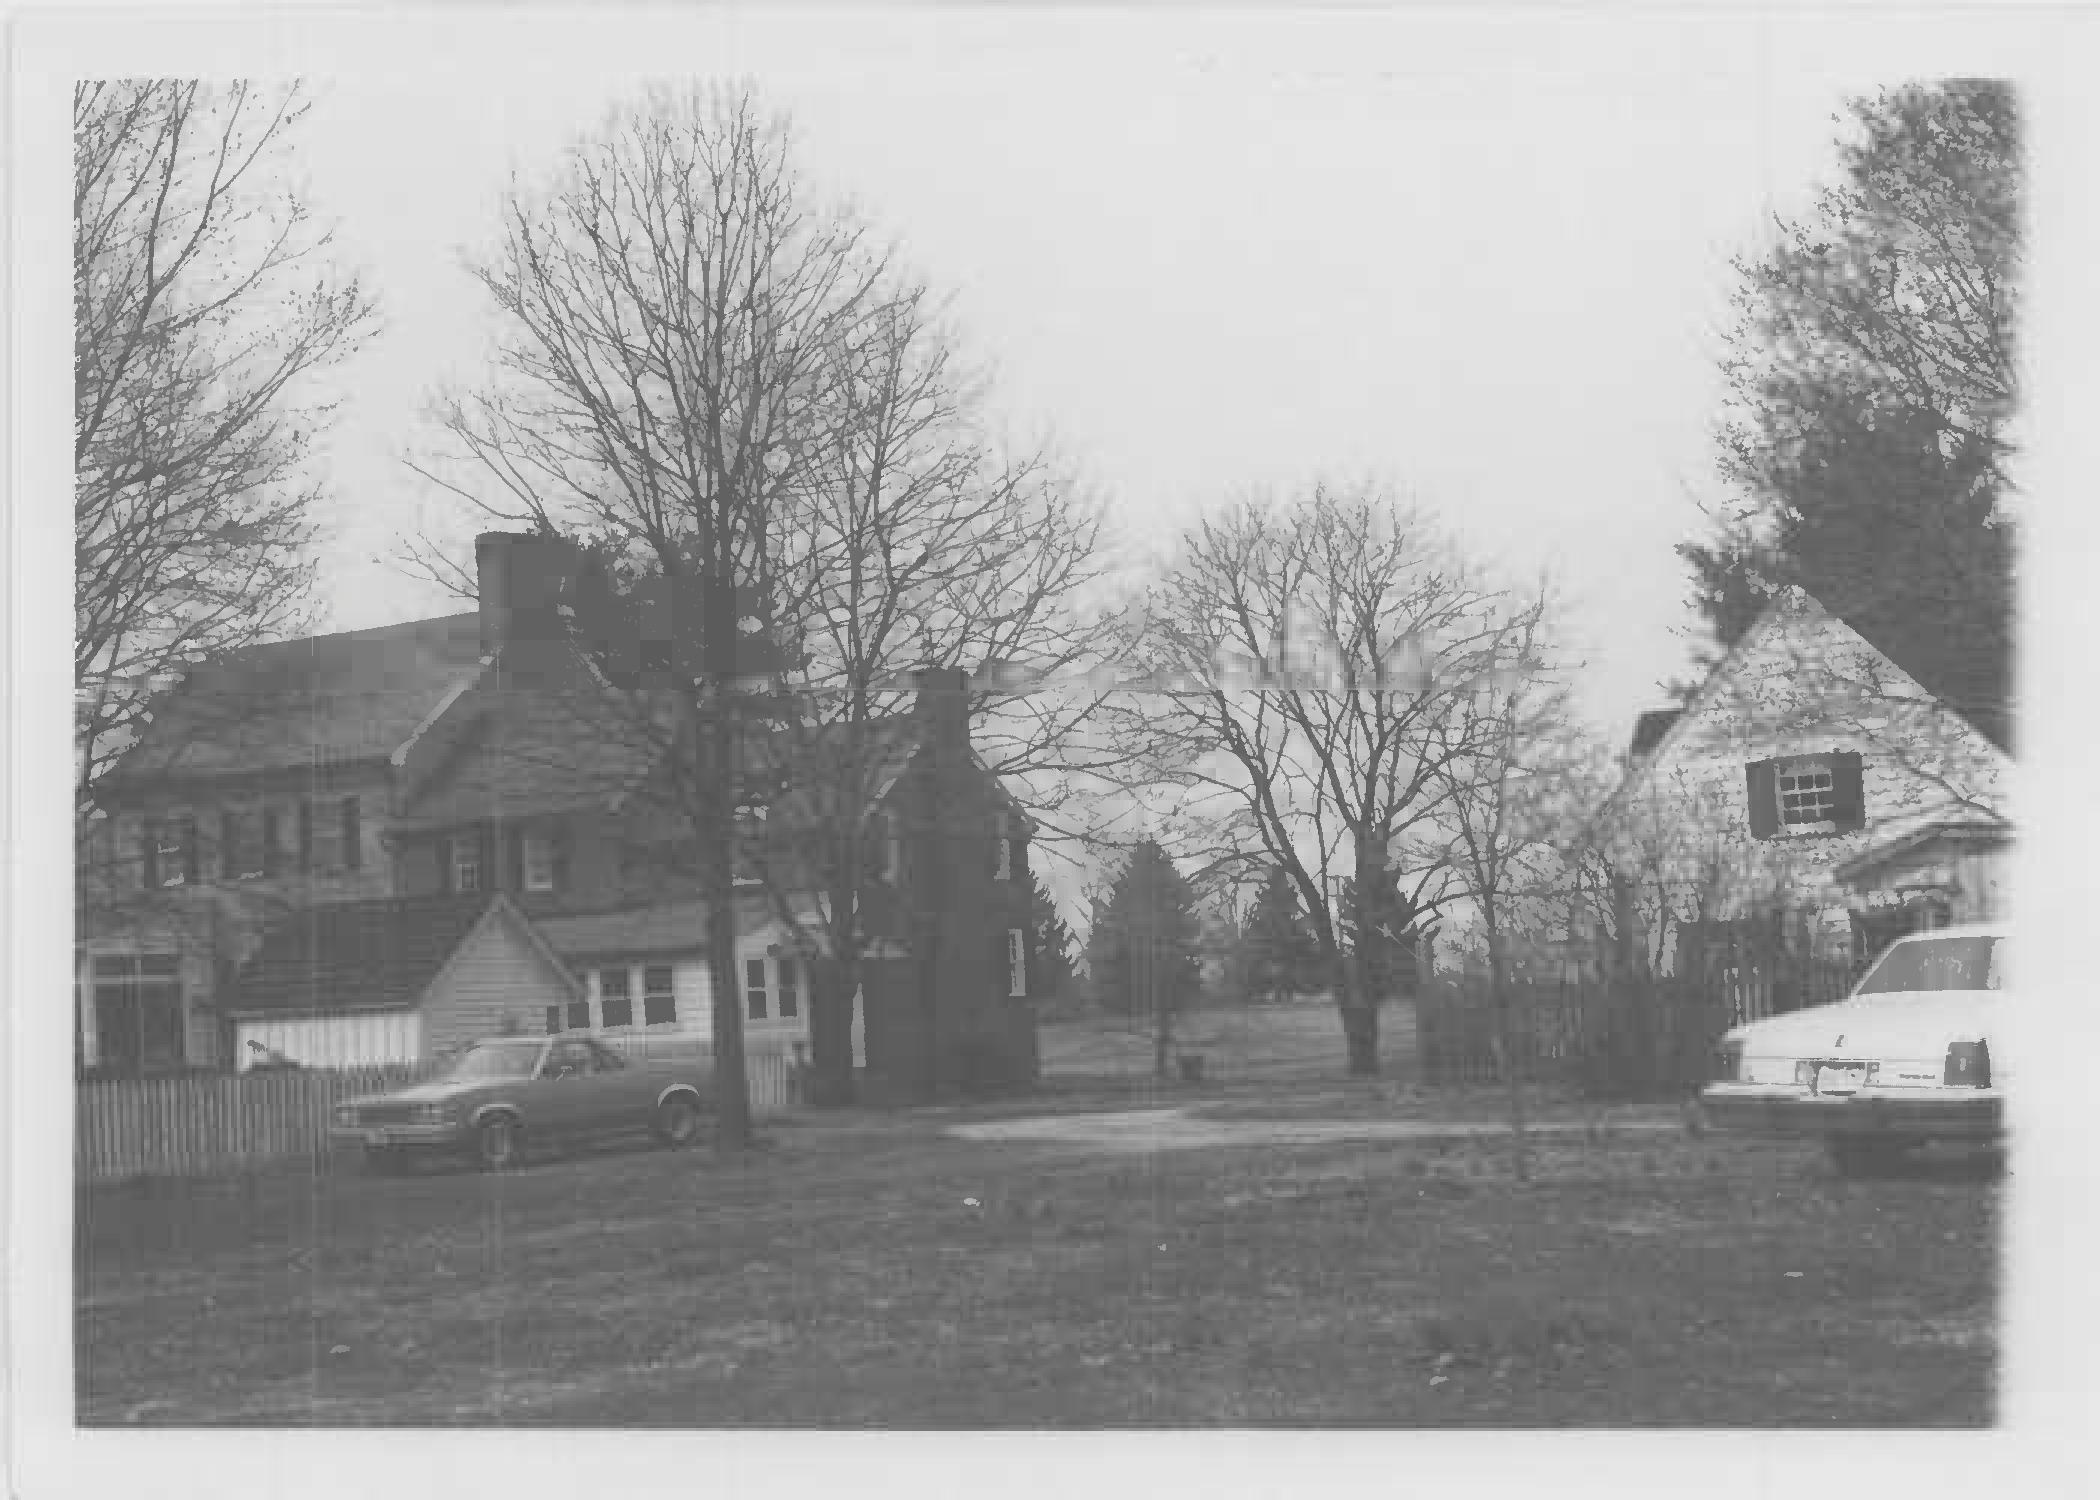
(1965, 829)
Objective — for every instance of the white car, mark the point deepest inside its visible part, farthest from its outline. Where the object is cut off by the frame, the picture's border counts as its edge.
(1905, 1060)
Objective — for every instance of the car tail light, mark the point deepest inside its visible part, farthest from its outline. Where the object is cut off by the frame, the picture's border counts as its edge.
(1969, 1063)
(1728, 1061)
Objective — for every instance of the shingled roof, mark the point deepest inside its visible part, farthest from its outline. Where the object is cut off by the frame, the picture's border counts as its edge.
(674, 927)
(323, 700)
(356, 955)
(538, 749)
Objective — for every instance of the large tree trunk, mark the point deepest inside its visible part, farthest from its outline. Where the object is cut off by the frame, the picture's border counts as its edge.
(715, 798)
(1359, 1008)
(832, 984)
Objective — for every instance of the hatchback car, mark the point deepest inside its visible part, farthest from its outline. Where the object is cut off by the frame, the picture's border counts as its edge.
(504, 1092)
(1903, 1061)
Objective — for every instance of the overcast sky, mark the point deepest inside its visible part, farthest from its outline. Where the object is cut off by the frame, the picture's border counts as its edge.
(1480, 257)
(1485, 264)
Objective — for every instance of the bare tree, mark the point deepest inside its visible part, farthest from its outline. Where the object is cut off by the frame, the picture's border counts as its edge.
(914, 545)
(724, 386)
(203, 305)
(1504, 784)
(1307, 657)
(670, 306)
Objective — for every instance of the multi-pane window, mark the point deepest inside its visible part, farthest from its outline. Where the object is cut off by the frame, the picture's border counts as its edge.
(892, 849)
(1016, 962)
(466, 863)
(659, 1001)
(1807, 793)
(331, 838)
(615, 999)
(138, 1011)
(168, 850)
(755, 988)
(790, 990)
(580, 1014)
(1806, 796)
(553, 1019)
(233, 857)
(248, 843)
(539, 862)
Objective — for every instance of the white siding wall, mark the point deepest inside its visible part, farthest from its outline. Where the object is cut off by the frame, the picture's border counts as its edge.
(692, 987)
(367, 1040)
(695, 989)
(1804, 685)
(497, 981)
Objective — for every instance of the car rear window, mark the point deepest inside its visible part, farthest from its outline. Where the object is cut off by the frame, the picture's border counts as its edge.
(1951, 963)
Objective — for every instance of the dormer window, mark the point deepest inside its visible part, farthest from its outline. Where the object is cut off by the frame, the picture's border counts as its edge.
(466, 864)
(539, 862)
(169, 852)
(892, 850)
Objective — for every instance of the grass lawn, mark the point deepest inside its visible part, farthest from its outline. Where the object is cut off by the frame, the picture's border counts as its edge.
(1293, 1040)
(878, 1271)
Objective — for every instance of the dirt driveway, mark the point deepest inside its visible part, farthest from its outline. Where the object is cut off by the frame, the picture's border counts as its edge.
(1149, 1130)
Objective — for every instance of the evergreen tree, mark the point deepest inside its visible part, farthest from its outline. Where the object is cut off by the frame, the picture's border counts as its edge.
(1145, 949)
(1872, 379)
(1277, 946)
(1052, 943)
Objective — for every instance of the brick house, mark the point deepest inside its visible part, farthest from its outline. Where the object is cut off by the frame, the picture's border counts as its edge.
(1813, 782)
(468, 791)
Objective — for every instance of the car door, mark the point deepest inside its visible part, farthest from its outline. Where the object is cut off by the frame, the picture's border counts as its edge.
(624, 1095)
(562, 1095)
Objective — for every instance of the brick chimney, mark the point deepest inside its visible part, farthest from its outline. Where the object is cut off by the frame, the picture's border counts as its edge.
(943, 712)
(520, 577)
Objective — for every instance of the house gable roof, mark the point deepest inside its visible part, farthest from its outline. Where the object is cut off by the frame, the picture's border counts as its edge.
(1793, 610)
(357, 955)
(531, 749)
(330, 699)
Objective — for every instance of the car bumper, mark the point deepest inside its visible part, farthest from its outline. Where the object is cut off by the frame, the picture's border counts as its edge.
(1913, 1114)
(448, 1134)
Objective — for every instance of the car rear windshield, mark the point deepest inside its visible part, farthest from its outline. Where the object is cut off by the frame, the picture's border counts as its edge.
(497, 1060)
(1951, 963)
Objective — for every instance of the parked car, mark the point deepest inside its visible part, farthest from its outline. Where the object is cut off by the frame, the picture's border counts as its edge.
(1904, 1060)
(505, 1092)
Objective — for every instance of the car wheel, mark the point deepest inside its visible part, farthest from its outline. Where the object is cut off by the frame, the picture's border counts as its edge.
(1865, 1155)
(677, 1121)
(498, 1145)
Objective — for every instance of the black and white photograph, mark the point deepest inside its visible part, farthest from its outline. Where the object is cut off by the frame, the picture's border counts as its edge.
(1239, 731)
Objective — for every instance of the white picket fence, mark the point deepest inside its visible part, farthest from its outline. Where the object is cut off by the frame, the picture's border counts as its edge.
(202, 1124)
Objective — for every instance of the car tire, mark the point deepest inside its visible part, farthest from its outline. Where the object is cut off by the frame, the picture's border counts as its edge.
(1866, 1155)
(499, 1144)
(677, 1121)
